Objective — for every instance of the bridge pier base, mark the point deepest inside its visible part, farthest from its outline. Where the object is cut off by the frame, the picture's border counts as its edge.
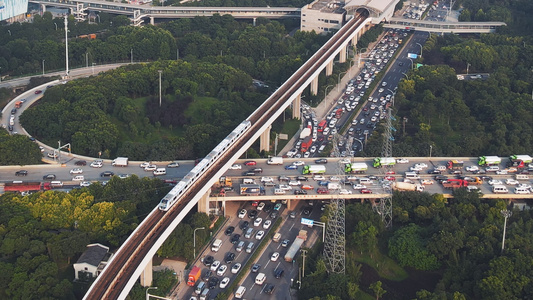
(253, 21)
(342, 55)
(264, 140)
(203, 203)
(43, 8)
(314, 86)
(147, 276)
(152, 21)
(329, 68)
(296, 107)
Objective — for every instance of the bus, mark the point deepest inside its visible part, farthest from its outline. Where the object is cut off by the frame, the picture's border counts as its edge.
(322, 125)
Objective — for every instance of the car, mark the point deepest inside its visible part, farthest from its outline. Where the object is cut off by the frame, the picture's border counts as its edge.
(292, 215)
(359, 187)
(389, 178)
(229, 257)
(298, 163)
(402, 161)
(235, 167)
(244, 225)
(321, 161)
(267, 179)
(366, 191)
(301, 192)
(49, 177)
(76, 171)
(107, 174)
(52, 155)
(291, 167)
(426, 181)
(260, 206)
(150, 168)
(173, 165)
(255, 268)
(421, 165)
(274, 215)
(295, 183)
(307, 210)
(285, 187)
(524, 185)
(236, 268)
(10, 128)
(258, 221)
(319, 177)
(222, 270)
(229, 230)
(495, 182)
(144, 165)
(215, 265)
(344, 192)
(284, 178)
(502, 172)
(267, 224)
(259, 235)
(472, 168)
(307, 187)
(37, 92)
(285, 243)
(511, 181)
(213, 281)
(123, 176)
(81, 163)
(268, 207)
(97, 164)
(278, 273)
(206, 274)
(322, 190)
(250, 163)
(85, 183)
(21, 173)
(242, 213)
(269, 289)
(252, 214)
(208, 260)
(224, 282)
(434, 171)
(274, 256)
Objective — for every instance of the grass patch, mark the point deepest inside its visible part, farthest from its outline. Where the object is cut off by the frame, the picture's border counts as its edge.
(196, 110)
(386, 267)
(290, 127)
(361, 295)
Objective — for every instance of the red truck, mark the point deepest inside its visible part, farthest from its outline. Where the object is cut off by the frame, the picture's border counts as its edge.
(26, 186)
(306, 144)
(194, 275)
(454, 183)
(455, 164)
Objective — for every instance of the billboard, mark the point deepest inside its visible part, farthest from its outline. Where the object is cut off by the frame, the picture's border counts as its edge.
(11, 8)
(412, 55)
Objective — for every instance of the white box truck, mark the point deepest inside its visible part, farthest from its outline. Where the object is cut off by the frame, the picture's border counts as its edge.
(275, 161)
(120, 162)
(216, 245)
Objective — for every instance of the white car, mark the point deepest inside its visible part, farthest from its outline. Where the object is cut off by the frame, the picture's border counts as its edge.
(285, 187)
(359, 187)
(495, 182)
(222, 270)
(402, 161)
(426, 181)
(267, 224)
(298, 163)
(274, 256)
(352, 178)
(416, 169)
(502, 172)
(510, 181)
(335, 178)
(344, 161)
(307, 154)
(421, 165)
(472, 168)
(97, 164)
(224, 282)
(345, 192)
(261, 206)
(85, 183)
(259, 235)
(150, 168)
(78, 178)
(258, 221)
(215, 265)
(173, 165)
(440, 168)
(76, 171)
(236, 268)
(295, 182)
(313, 149)
(235, 167)
(524, 185)
(143, 165)
(242, 213)
(521, 191)
(319, 177)
(267, 179)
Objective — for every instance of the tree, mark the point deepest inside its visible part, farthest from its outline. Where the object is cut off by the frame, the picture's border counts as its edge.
(377, 289)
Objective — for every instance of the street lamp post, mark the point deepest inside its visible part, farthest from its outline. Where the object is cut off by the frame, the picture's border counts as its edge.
(420, 48)
(131, 55)
(194, 240)
(43, 67)
(506, 214)
(160, 71)
(339, 79)
(66, 45)
(325, 94)
(467, 67)
(150, 288)
(360, 142)
(87, 59)
(430, 149)
(93, 67)
(392, 97)
(405, 75)
(412, 63)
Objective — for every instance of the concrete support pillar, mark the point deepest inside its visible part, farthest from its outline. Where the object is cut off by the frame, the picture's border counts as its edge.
(254, 20)
(43, 8)
(203, 203)
(152, 21)
(329, 68)
(296, 107)
(355, 40)
(264, 140)
(288, 204)
(146, 276)
(314, 86)
(342, 55)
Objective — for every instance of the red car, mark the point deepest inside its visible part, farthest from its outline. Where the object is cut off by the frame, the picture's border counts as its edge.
(390, 178)
(250, 163)
(255, 203)
(307, 187)
(322, 191)
(38, 92)
(390, 172)
(366, 191)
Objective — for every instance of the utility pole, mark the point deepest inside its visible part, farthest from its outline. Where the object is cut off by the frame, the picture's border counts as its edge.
(304, 252)
(160, 71)
(506, 214)
(131, 55)
(66, 45)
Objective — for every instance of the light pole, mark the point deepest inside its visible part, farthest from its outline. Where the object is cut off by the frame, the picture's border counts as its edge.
(412, 63)
(43, 67)
(56, 25)
(87, 59)
(9, 32)
(160, 71)
(131, 55)
(150, 288)
(430, 149)
(359, 143)
(66, 45)
(506, 214)
(194, 240)
(93, 68)
(467, 67)
(405, 75)
(339, 79)
(325, 93)
(420, 48)
(392, 97)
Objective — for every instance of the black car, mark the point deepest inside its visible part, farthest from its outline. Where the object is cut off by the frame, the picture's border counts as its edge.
(256, 268)
(213, 282)
(13, 111)
(321, 161)
(274, 215)
(208, 260)
(372, 177)
(252, 214)
(206, 274)
(441, 177)
(307, 210)
(278, 273)
(267, 208)
(257, 170)
(302, 178)
(269, 289)
(434, 171)
(284, 178)
(10, 127)
(292, 215)
(49, 177)
(107, 174)
(21, 173)
(248, 173)
(400, 64)
(229, 258)
(235, 238)
(300, 192)
(229, 230)
(80, 163)
(244, 225)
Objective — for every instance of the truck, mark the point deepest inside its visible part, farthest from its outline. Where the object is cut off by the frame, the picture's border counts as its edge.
(488, 160)
(251, 190)
(305, 133)
(333, 186)
(275, 161)
(18, 104)
(20, 186)
(357, 168)
(519, 161)
(455, 164)
(194, 275)
(120, 162)
(224, 181)
(306, 144)
(295, 246)
(314, 169)
(454, 183)
(473, 180)
(384, 161)
(216, 245)
(406, 186)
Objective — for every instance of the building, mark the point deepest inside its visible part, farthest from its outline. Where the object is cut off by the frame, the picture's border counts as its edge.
(91, 262)
(322, 16)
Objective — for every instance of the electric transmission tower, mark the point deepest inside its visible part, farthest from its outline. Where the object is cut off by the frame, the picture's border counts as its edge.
(335, 241)
(385, 204)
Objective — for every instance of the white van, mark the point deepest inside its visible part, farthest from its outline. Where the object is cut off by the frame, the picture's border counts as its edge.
(522, 177)
(248, 181)
(365, 180)
(239, 246)
(199, 288)
(249, 233)
(160, 171)
(411, 175)
(205, 293)
(492, 169)
(240, 292)
(500, 189)
(56, 184)
(521, 190)
(250, 247)
(260, 278)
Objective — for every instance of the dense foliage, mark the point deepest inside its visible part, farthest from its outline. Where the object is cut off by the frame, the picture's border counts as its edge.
(18, 150)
